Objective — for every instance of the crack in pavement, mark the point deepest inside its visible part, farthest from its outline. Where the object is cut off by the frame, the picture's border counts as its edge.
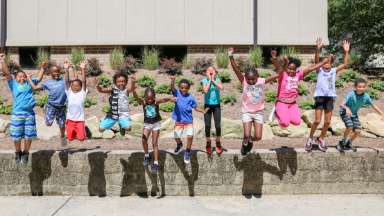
(65, 203)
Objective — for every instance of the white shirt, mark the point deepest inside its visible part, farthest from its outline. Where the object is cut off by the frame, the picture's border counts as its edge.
(75, 110)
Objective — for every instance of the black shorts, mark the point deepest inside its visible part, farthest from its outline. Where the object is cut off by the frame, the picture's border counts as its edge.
(324, 103)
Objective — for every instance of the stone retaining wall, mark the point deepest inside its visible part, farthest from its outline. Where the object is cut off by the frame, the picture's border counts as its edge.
(120, 173)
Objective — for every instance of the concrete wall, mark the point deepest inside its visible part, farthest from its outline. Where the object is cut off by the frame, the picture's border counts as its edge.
(117, 22)
(120, 173)
(291, 22)
(2, 22)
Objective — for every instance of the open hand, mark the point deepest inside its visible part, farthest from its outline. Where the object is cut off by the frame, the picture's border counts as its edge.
(286, 59)
(231, 50)
(346, 45)
(274, 54)
(2, 57)
(67, 65)
(319, 43)
(45, 64)
(349, 112)
(83, 65)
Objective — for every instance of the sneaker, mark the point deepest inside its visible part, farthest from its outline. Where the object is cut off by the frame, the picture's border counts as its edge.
(64, 142)
(249, 146)
(243, 149)
(25, 157)
(178, 147)
(155, 168)
(348, 145)
(308, 145)
(122, 131)
(208, 149)
(219, 150)
(322, 145)
(187, 157)
(147, 160)
(340, 146)
(18, 157)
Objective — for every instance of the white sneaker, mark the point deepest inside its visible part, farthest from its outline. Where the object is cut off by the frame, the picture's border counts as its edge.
(308, 145)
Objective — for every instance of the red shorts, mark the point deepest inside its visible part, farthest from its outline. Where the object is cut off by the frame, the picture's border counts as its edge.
(75, 130)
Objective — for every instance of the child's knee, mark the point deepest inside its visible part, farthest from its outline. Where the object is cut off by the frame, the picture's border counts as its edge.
(101, 130)
(257, 138)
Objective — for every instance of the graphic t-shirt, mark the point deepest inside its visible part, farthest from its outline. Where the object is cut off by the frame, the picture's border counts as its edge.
(355, 101)
(22, 94)
(56, 92)
(212, 97)
(151, 113)
(288, 86)
(183, 107)
(326, 83)
(253, 96)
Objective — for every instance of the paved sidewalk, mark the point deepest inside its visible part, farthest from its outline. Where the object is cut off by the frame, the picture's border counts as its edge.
(301, 205)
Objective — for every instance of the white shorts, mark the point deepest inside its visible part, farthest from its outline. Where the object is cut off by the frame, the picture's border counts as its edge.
(249, 117)
(155, 126)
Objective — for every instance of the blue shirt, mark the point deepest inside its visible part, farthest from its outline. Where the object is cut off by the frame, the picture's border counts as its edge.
(355, 101)
(212, 97)
(56, 92)
(22, 94)
(183, 107)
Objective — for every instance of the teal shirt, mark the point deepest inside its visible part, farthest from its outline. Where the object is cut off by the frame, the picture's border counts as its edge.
(355, 101)
(212, 97)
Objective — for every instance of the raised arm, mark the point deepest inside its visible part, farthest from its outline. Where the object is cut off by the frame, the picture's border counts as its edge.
(4, 67)
(272, 78)
(66, 74)
(103, 90)
(137, 98)
(173, 87)
(131, 87)
(165, 100)
(317, 66)
(83, 66)
(33, 85)
(346, 47)
(43, 66)
(235, 67)
(274, 61)
(319, 45)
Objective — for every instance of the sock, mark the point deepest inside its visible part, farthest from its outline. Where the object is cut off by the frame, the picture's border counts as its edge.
(146, 155)
(188, 150)
(156, 162)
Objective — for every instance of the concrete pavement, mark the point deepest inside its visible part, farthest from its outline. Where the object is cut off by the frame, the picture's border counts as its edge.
(300, 205)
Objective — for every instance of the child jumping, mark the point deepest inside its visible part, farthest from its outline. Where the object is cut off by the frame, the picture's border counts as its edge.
(119, 104)
(252, 102)
(23, 122)
(211, 88)
(182, 115)
(76, 91)
(152, 123)
(56, 108)
(349, 109)
(325, 94)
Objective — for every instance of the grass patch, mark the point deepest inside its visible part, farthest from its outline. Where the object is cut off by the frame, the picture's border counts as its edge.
(146, 81)
(163, 89)
(222, 59)
(167, 107)
(229, 99)
(150, 58)
(116, 58)
(307, 104)
(225, 76)
(256, 57)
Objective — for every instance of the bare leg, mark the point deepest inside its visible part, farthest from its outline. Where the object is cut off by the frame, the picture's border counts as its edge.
(62, 132)
(258, 131)
(144, 139)
(327, 122)
(247, 132)
(315, 124)
(17, 145)
(189, 142)
(27, 145)
(155, 138)
(355, 134)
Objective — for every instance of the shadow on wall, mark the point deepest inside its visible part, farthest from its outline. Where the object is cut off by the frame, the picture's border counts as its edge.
(159, 177)
(286, 158)
(96, 182)
(41, 170)
(253, 168)
(134, 181)
(190, 171)
(63, 154)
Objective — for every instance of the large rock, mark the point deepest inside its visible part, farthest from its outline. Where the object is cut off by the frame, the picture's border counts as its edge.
(43, 131)
(108, 134)
(267, 132)
(308, 116)
(93, 124)
(373, 123)
(337, 126)
(291, 131)
(4, 125)
(231, 128)
(367, 134)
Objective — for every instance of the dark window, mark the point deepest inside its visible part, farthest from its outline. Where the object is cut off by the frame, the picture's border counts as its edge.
(27, 56)
(176, 52)
(134, 51)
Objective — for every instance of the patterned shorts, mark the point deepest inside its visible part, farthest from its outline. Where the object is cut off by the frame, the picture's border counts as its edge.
(53, 113)
(181, 129)
(350, 122)
(23, 126)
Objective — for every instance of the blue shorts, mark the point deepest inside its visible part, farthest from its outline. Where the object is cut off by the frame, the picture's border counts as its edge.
(350, 122)
(53, 113)
(108, 123)
(23, 126)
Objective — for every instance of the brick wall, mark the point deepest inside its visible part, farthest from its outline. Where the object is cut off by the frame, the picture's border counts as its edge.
(121, 173)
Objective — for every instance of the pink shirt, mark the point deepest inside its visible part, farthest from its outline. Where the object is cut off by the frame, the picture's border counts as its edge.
(288, 86)
(253, 96)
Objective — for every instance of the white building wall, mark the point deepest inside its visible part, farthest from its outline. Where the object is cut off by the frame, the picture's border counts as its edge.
(118, 22)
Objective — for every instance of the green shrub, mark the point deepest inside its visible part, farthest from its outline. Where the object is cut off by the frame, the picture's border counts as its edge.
(307, 104)
(377, 85)
(243, 63)
(270, 96)
(302, 89)
(200, 88)
(187, 64)
(163, 89)
(77, 55)
(239, 86)
(228, 99)
(222, 59)
(116, 58)
(264, 74)
(290, 52)
(150, 58)
(41, 100)
(374, 94)
(94, 68)
(129, 65)
(5, 109)
(200, 65)
(225, 76)
(146, 81)
(349, 75)
(106, 108)
(354, 59)
(167, 107)
(256, 57)
(339, 83)
(180, 78)
(104, 81)
(171, 67)
(42, 56)
(89, 102)
(311, 77)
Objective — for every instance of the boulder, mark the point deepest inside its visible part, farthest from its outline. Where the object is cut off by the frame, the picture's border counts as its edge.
(108, 134)
(367, 134)
(308, 116)
(4, 125)
(92, 124)
(337, 126)
(373, 123)
(231, 128)
(292, 131)
(43, 131)
(267, 132)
